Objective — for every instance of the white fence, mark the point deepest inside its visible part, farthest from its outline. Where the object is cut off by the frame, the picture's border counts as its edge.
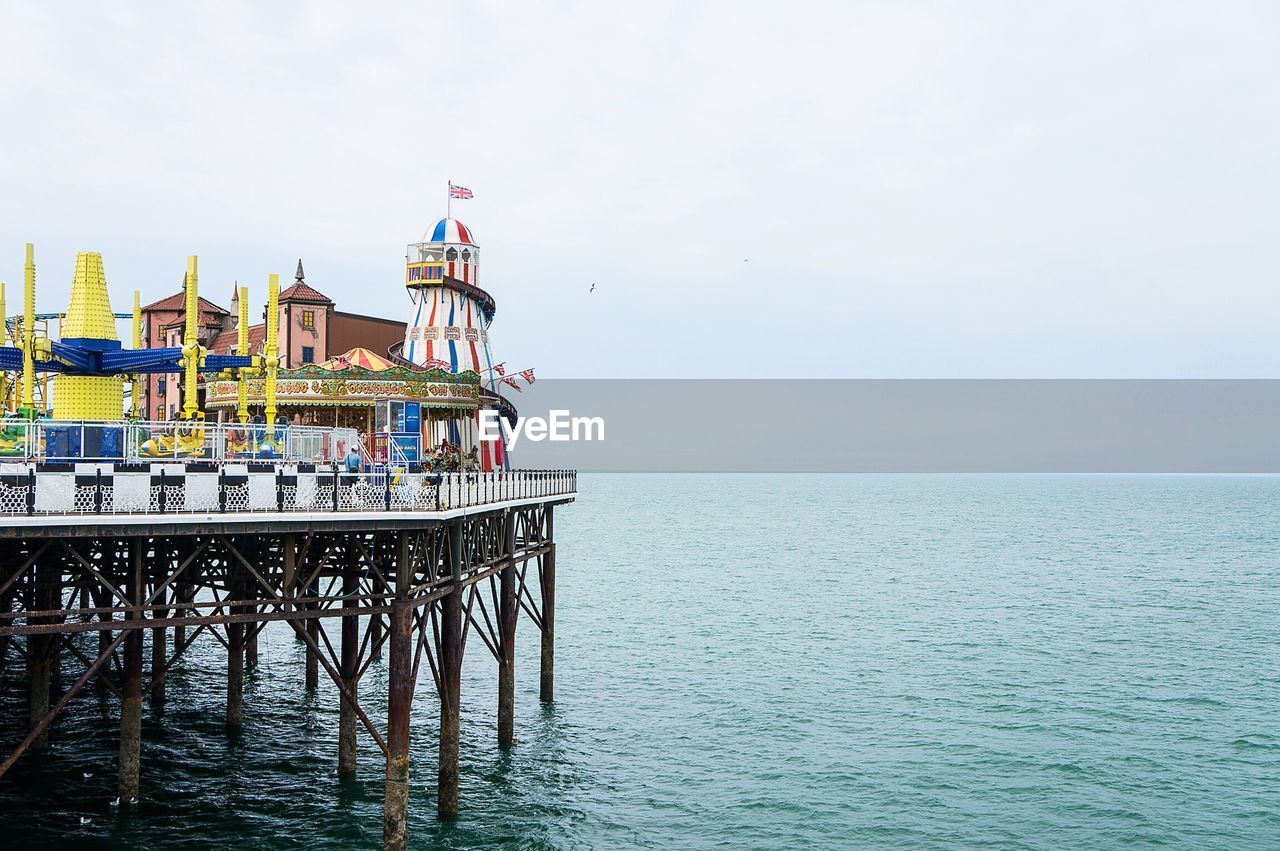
(142, 441)
(173, 489)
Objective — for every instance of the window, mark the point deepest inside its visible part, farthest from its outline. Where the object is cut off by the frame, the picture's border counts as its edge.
(159, 412)
(161, 386)
(308, 354)
(451, 254)
(308, 319)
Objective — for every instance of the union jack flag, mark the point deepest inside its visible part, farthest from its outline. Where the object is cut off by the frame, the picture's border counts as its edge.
(460, 192)
(511, 382)
(500, 369)
(527, 375)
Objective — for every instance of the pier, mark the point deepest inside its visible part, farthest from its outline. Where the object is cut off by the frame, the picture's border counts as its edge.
(409, 563)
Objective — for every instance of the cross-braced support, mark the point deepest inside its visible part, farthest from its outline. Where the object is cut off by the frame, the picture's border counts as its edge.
(416, 589)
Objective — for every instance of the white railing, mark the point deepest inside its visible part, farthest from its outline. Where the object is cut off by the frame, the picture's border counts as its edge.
(142, 441)
(326, 490)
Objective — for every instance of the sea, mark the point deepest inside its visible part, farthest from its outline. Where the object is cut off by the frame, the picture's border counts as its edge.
(777, 661)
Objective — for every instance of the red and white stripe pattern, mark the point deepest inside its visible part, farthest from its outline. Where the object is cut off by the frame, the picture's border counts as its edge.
(449, 331)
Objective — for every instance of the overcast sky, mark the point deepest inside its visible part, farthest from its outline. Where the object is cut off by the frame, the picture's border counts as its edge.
(921, 189)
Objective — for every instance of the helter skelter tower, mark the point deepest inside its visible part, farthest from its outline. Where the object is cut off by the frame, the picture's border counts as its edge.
(449, 328)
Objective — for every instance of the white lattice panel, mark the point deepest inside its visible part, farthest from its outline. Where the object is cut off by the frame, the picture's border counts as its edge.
(262, 491)
(132, 492)
(55, 491)
(13, 500)
(202, 492)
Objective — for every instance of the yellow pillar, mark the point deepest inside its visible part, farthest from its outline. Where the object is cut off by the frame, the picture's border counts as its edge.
(271, 355)
(191, 351)
(28, 331)
(136, 384)
(4, 341)
(242, 349)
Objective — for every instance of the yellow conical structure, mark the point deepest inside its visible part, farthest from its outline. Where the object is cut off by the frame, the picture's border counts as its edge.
(89, 317)
(89, 314)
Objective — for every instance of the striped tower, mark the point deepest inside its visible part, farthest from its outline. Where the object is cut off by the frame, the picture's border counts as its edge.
(89, 324)
(451, 314)
(449, 324)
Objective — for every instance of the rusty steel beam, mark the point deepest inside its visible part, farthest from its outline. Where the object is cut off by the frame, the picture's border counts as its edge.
(131, 686)
(547, 577)
(159, 655)
(235, 658)
(350, 669)
(194, 620)
(507, 613)
(449, 649)
(41, 649)
(395, 807)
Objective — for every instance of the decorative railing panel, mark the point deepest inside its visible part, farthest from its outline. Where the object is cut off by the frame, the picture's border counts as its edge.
(202, 488)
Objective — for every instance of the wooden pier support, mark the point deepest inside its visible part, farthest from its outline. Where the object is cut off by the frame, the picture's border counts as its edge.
(183, 596)
(350, 667)
(375, 623)
(41, 650)
(313, 634)
(450, 663)
(400, 686)
(235, 655)
(131, 682)
(159, 655)
(102, 599)
(251, 646)
(546, 690)
(508, 609)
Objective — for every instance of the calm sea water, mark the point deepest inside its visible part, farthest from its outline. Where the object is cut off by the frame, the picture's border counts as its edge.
(776, 661)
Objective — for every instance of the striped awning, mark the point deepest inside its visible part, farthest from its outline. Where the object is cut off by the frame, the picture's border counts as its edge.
(357, 357)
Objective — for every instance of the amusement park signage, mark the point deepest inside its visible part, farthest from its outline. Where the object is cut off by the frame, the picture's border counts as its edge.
(349, 390)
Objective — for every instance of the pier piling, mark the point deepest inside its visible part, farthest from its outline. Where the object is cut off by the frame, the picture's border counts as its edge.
(41, 650)
(235, 655)
(546, 689)
(251, 646)
(313, 638)
(350, 666)
(400, 687)
(131, 680)
(450, 653)
(508, 609)
(159, 654)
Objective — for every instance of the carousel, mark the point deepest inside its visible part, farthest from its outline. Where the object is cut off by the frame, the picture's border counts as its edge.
(394, 411)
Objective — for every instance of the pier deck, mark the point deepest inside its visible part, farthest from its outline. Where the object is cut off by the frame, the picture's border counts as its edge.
(410, 565)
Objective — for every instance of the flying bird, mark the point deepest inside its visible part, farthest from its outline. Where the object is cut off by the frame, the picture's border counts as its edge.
(593, 287)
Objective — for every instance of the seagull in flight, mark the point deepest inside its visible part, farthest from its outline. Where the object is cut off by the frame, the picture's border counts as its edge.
(593, 287)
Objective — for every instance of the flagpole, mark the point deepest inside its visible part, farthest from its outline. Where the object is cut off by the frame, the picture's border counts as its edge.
(448, 201)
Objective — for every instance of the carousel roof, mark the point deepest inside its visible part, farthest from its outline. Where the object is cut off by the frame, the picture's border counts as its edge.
(358, 357)
(450, 230)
